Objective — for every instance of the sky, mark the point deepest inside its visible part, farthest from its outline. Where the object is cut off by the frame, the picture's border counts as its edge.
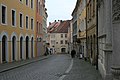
(59, 9)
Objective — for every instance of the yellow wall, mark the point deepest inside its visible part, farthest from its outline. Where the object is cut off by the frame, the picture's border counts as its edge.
(26, 10)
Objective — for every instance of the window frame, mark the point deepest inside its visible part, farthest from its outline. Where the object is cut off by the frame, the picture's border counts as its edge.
(14, 17)
(26, 25)
(32, 4)
(21, 1)
(37, 24)
(5, 14)
(32, 27)
(61, 35)
(26, 2)
(61, 41)
(65, 35)
(22, 20)
(66, 41)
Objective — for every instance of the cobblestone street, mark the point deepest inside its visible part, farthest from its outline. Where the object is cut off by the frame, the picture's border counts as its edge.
(82, 70)
(53, 68)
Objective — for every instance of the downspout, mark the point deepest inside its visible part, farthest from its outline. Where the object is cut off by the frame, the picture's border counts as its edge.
(97, 34)
(86, 34)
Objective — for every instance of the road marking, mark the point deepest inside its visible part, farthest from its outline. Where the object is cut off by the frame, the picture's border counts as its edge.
(67, 71)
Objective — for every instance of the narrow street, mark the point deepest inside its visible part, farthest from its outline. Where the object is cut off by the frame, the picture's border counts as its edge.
(56, 67)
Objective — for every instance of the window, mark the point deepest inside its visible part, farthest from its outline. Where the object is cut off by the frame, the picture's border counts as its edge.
(21, 1)
(94, 7)
(37, 27)
(52, 41)
(90, 7)
(32, 24)
(61, 35)
(37, 6)
(66, 42)
(26, 22)
(32, 4)
(61, 42)
(4, 14)
(52, 36)
(21, 20)
(65, 35)
(41, 28)
(13, 18)
(40, 9)
(27, 2)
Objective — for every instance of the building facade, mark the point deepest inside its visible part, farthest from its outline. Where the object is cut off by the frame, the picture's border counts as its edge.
(105, 38)
(74, 27)
(81, 27)
(41, 20)
(58, 36)
(91, 31)
(115, 39)
(17, 30)
(70, 38)
(44, 22)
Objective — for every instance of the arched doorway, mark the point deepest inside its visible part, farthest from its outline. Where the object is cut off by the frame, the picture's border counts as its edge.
(13, 48)
(27, 47)
(32, 47)
(63, 50)
(4, 48)
(21, 47)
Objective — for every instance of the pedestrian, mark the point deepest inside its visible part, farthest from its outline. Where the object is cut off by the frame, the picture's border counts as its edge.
(73, 53)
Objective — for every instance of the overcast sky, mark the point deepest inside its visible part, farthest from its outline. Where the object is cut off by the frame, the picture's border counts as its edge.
(59, 9)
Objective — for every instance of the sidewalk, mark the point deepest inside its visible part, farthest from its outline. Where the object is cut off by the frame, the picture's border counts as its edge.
(82, 70)
(9, 66)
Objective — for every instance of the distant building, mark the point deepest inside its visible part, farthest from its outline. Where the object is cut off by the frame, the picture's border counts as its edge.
(17, 30)
(58, 36)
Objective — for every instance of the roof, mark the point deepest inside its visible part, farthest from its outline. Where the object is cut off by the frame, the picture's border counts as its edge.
(59, 27)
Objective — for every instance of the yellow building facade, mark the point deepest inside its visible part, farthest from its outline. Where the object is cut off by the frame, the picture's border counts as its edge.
(17, 30)
(91, 31)
(81, 27)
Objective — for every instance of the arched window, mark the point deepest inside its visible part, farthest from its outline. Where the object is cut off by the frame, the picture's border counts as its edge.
(4, 48)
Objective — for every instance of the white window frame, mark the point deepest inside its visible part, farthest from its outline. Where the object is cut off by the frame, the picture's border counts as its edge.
(15, 18)
(31, 23)
(22, 20)
(28, 3)
(21, 1)
(33, 4)
(5, 14)
(25, 22)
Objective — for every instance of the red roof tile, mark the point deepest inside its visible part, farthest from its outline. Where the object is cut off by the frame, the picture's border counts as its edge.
(59, 27)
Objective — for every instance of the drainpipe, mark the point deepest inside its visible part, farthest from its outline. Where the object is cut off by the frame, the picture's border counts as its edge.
(97, 33)
(86, 34)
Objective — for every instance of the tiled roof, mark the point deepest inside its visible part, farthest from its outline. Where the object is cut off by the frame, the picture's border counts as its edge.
(59, 27)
